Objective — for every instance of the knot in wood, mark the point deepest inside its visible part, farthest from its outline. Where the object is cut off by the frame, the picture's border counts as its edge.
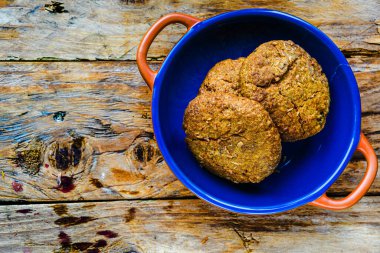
(66, 153)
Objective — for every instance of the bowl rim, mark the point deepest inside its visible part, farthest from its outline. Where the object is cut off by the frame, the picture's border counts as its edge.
(275, 208)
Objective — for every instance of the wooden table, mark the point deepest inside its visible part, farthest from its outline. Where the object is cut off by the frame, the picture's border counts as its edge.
(80, 169)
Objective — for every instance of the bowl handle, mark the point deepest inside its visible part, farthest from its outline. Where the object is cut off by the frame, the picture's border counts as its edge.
(146, 72)
(337, 204)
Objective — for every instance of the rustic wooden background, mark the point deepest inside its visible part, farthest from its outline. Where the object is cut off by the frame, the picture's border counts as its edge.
(80, 170)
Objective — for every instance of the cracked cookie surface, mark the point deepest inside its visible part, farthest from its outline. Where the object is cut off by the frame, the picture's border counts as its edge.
(291, 86)
(223, 77)
(233, 137)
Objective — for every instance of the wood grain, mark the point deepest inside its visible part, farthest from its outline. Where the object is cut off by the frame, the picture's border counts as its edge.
(78, 131)
(112, 30)
(185, 226)
(104, 148)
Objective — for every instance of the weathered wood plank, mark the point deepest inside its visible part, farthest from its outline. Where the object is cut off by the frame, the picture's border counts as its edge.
(104, 144)
(113, 29)
(185, 226)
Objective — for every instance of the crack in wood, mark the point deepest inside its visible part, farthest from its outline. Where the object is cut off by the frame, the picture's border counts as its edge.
(247, 242)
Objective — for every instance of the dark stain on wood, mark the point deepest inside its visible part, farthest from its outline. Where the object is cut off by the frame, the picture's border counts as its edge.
(82, 246)
(65, 184)
(67, 246)
(72, 221)
(95, 182)
(100, 243)
(89, 206)
(60, 209)
(139, 153)
(64, 239)
(59, 116)
(67, 154)
(143, 152)
(17, 187)
(24, 211)
(76, 150)
(130, 215)
(62, 158)
(108, 233)
(29, 158)
(55, 7)
(24, 113)
(159, 160)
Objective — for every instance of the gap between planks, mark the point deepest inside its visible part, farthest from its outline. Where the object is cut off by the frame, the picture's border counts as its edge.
(187, 226)
(347, 55)
(47, 202)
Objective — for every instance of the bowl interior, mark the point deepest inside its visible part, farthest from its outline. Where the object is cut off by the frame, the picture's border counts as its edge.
(308, 167)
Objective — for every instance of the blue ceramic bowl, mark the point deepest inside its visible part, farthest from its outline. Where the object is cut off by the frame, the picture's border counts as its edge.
(309, 167)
